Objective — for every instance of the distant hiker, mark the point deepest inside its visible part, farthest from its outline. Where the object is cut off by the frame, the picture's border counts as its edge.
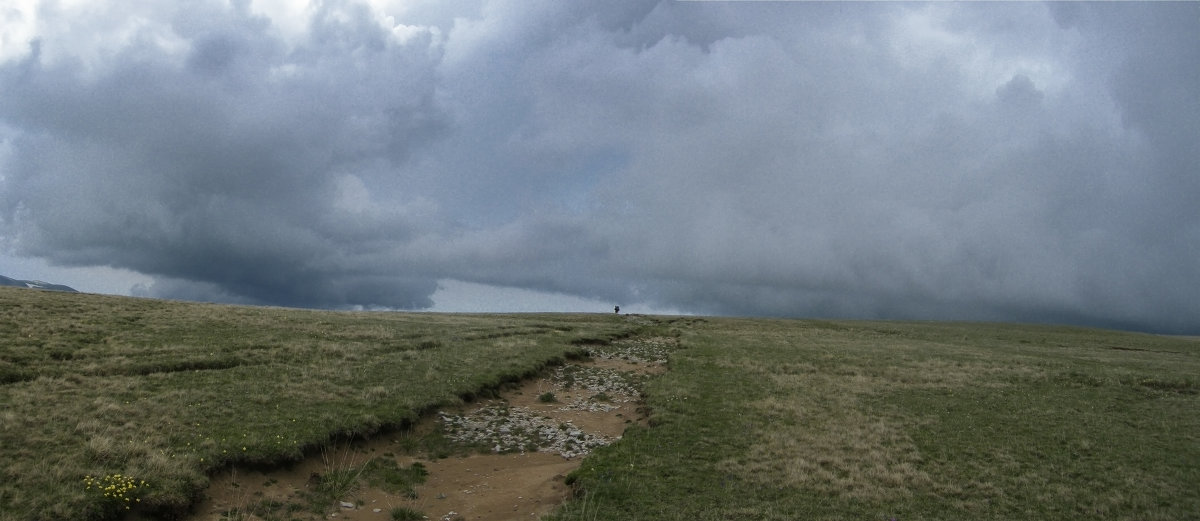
(617, 310)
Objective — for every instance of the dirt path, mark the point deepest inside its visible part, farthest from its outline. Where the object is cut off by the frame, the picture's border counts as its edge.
(542, 430)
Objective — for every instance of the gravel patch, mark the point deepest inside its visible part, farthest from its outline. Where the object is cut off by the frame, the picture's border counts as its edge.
(502, 428)
(517, 429)
(618, 386)
(588, 405)
(651, 350)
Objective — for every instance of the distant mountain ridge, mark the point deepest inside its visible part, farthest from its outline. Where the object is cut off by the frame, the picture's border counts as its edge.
(35, 284)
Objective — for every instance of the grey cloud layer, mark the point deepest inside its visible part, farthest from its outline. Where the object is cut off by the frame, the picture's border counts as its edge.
(1002, 162)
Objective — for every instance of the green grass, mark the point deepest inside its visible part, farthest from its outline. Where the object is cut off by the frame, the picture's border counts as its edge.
(756, 419)
(406, 514)
(817, 420)
(387, 475)
(166, 392)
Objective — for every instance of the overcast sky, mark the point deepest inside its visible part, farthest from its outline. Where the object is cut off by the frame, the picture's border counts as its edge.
(1001, 161)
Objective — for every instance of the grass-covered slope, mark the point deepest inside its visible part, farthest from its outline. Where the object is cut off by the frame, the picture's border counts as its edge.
(769, 419)
(756, 419)
(107, 401)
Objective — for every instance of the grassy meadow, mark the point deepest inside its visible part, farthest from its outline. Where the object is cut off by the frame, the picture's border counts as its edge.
(113, 391)
(817, 420)
(756, 419)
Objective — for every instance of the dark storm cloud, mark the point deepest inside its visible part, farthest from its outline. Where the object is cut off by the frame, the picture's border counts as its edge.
(226, 167)
(1024, 161)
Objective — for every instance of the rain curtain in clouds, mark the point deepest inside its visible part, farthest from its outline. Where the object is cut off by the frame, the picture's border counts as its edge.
(1013, 161)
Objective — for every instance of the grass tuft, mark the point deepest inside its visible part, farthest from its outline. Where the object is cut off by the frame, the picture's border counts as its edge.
(406, 514)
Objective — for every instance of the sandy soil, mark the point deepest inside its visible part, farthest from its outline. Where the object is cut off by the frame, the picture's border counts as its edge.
(485, 487)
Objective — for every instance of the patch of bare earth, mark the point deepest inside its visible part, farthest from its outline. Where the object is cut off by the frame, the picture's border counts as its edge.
(533, 437)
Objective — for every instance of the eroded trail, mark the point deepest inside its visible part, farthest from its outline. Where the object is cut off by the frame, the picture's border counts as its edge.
(499, 459)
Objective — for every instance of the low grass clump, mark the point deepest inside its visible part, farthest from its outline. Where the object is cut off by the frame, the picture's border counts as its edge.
(407, 514)
(774, 419)
(340, 481)
(389, 476)
(116, 490)
(168, 392)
